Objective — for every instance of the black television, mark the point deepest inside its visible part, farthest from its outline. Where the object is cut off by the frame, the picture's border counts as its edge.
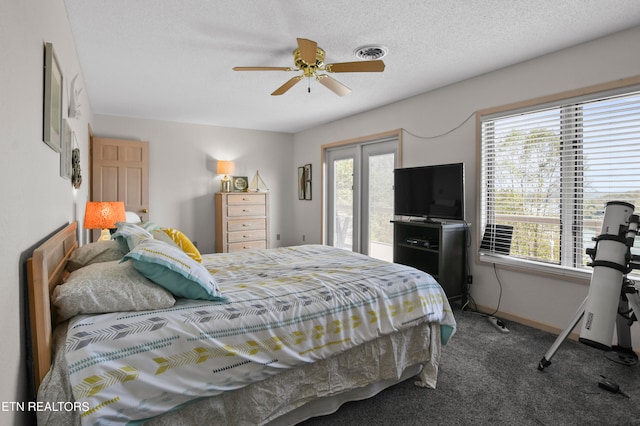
(430, 192)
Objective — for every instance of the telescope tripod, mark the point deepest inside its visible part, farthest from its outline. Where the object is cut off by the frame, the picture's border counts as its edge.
(623, 352)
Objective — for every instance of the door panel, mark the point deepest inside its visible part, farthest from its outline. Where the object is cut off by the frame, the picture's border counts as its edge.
(343, 203)
(378, 197)
(120, 172)
(360, 197)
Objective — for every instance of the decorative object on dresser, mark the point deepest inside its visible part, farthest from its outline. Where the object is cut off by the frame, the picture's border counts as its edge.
(257, 184)
(239, 183)
(225, 168)
(242, 221)
(104, 215)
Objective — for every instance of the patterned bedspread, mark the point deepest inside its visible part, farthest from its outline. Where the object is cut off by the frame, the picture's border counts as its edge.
(286, 307)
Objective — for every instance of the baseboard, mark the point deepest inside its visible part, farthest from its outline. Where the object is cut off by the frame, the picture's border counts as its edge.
(531, 323)
(528, 322)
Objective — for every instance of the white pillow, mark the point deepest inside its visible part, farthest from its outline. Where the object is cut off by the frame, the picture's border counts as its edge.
(128, 235)
(108, 287)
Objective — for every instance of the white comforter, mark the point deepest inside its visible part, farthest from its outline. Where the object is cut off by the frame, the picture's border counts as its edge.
(287, 307)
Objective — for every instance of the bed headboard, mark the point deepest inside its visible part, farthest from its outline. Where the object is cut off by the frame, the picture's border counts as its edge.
(45, 270)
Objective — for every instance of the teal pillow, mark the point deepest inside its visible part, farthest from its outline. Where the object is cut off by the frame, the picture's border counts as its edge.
(173, 269)
(128, 235)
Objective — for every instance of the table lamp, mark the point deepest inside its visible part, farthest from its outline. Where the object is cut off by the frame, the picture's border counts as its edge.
(103, 215)
(225, 168)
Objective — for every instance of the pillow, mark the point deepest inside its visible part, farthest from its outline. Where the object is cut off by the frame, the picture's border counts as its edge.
(149, 226)
(108, 287)
(176, 238)
(171, 268)
(100, 251)
(128, 235)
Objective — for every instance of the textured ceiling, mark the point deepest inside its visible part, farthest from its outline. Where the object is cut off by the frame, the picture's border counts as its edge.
(173, 59)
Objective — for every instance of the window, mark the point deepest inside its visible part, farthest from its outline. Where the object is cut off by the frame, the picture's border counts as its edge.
(547, 171)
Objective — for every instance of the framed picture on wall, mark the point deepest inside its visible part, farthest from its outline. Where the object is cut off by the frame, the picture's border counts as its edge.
(52, 100)
(301, 183)
(307, 181)
(65, 152)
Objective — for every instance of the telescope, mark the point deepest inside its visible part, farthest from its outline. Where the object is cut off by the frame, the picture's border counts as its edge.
(610, 291)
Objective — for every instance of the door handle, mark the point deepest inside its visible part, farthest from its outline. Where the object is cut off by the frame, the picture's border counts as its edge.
(145, 211)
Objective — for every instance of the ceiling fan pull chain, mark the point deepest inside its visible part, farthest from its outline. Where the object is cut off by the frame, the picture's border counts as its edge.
(309, 85)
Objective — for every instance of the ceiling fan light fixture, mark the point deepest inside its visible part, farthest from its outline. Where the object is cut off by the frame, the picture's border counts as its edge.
(371, 52)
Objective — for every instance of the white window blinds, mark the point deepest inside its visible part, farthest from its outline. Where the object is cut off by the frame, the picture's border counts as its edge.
(547, 172)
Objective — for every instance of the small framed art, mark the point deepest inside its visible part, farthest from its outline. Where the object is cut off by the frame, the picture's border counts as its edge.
(52, 100)
(65, 152)
(239, 183)
(301, 183)
(307, 181)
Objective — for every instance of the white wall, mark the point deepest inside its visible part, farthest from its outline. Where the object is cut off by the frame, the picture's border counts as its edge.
(35, 199)
(544, 300)
(182, 171)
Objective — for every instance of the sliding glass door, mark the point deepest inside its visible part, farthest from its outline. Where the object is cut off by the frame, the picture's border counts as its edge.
(359, 204)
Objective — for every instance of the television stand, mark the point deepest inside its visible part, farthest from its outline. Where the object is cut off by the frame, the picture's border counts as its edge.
(434, 247)
(420, 220)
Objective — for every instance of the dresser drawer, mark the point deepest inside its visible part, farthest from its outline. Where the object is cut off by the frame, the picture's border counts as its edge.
(246, 210)
(246, 224)
(236, 199)
(242, 221)
(247, 245)
(234, 237)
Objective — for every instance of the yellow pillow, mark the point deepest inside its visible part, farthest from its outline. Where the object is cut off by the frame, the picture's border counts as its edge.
(178, 239)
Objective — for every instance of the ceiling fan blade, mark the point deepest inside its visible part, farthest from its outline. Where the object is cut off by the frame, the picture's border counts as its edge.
(334, 85)
(362, 66)
(308, 50)
(263, 69)
(288, 85)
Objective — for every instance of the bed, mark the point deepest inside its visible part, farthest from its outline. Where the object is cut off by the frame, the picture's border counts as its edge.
(290, 333)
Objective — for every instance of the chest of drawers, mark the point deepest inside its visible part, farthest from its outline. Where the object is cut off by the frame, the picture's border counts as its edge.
(242, 221)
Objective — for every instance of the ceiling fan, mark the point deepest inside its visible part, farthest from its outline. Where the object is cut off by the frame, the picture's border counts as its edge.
(309, 58)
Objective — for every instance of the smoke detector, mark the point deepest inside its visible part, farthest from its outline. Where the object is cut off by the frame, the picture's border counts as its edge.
(371, 52)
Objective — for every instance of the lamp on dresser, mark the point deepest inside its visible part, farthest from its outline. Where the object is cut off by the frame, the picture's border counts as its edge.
(103, 215)
(225, 168)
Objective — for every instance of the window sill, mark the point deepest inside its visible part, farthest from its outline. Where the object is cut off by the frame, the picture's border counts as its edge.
(537, 268)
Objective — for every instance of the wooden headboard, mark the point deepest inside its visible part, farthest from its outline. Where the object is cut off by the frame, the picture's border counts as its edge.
(45, 270)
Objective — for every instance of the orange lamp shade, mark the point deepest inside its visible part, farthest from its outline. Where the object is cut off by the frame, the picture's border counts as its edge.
(225, 167)
(103, 214)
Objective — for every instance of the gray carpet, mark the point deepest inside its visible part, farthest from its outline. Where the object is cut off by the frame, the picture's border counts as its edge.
(487, 377)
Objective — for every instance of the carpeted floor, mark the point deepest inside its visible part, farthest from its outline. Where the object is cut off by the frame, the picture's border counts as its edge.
(488, 377)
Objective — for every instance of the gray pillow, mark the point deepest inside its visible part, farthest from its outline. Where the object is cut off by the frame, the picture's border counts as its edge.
(108, 287)
(100, 251)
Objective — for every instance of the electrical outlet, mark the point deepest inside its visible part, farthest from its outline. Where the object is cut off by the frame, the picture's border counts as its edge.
(278, 237)
(469, 279)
